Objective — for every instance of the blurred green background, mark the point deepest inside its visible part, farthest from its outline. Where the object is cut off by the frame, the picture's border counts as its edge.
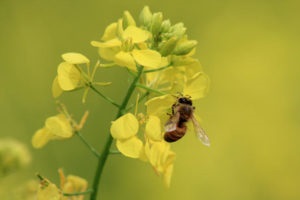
(250, 50)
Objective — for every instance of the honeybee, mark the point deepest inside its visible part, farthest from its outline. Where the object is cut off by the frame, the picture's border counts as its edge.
(182, 112)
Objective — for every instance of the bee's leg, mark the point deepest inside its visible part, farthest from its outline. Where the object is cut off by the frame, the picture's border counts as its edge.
(173, 108)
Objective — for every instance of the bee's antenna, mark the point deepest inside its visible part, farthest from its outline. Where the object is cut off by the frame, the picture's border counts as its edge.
(178, 95)
(188, 96)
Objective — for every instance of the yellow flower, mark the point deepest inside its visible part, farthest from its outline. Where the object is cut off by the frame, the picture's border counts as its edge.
(124, 130)
(178, 76)
(123, 49)
(69, 76)
(153, 128)
(154, 150)
(197, 86)
(56, 127)
(75, 58)
(159, 105)
(26, 191)
(48, 191)
(13, 156)
(72, 184)
(161, 158)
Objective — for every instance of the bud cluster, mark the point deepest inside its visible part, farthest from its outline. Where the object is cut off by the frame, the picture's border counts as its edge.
(166, 38)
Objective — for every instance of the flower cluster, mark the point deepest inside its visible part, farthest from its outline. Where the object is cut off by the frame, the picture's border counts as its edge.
(159, 58)
(165, 53)
(155, 150)
(161, 48)
(68, 185)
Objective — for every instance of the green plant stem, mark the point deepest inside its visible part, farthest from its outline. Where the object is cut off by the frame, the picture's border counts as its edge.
(149, 89)
(140, 100)
(92, 149)
(157, 69)
(114, 152)
(78, 193)
(107, 65)
(106, 150)
(104, 97)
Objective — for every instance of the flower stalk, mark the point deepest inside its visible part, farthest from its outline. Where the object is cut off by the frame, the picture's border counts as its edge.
(104, 97)
(106, 150)
(91, 148)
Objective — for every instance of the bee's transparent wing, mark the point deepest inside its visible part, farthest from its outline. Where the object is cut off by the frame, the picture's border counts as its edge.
(200, 133)
(171, 124)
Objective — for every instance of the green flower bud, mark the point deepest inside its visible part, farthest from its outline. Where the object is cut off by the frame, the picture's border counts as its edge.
(165, 26)
(145, 17)
(128, 19)
(177, 30)
(167, 47)
(185, 47)
(156, 23)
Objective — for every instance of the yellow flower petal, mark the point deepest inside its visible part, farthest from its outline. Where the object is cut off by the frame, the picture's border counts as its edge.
(41, 138)
(69, 76)
(110, 32)
(154, 153)
(136, 34)
(107, 44)
(159, 105)
(56, 89)
(131, 147)
(197, 86)
(59, 126)
(75, 58)
(153, 129)
(147, 58)
(74, 184)
(128, 19)
(48, 191)
(124, 59)
(109, 53)
(168, 175)
(193, 68)
(124, 127)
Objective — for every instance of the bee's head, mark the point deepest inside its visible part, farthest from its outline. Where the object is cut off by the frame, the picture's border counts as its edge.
(185, 100)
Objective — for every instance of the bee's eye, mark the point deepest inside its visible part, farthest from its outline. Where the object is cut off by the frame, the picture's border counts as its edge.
(181, 100)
